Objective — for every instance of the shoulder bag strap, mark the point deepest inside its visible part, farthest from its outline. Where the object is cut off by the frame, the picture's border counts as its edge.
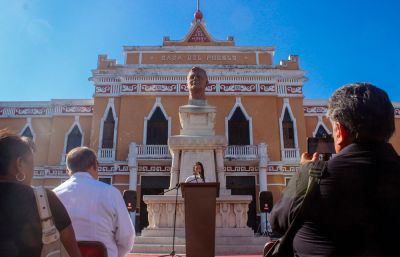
(316, 172)
(50, 233)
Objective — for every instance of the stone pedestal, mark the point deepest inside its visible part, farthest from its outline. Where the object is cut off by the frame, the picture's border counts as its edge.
(232, 234)
(197, 120)
(197, 142)
(204, 149)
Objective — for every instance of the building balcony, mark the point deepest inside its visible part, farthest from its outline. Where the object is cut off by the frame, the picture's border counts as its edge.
(153, 152)
(237, 152)
(290, 154)
(241, 152)
(106, 155)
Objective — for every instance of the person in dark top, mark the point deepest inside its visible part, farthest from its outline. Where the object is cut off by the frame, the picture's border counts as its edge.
(20, 226)
(355, 210)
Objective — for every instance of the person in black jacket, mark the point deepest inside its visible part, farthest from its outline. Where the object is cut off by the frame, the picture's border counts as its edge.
(355, 211)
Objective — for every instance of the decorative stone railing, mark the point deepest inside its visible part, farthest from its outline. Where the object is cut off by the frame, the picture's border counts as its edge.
(231, 211)
(290, 154)
(153, 152)
(241, 152)
(106, 154)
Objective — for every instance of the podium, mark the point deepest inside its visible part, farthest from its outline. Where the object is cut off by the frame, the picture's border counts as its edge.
(200, 209)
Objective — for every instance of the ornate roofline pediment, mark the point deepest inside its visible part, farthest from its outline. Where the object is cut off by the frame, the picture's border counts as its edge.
(198, 35)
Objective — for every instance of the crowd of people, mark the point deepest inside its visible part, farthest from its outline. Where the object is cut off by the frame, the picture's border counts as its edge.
(354, 211)
(82, 207)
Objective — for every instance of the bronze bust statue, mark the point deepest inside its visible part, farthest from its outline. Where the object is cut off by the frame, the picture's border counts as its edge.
(197, 82)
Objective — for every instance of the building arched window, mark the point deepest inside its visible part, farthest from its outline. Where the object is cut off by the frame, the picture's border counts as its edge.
(238, 128)
(108, 131)
(74, 139)
(27, 132)
(157, 128)
(288, 130)
(321, 132)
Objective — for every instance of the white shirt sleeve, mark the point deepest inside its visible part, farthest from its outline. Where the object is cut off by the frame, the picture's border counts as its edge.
(194, 179)
(125, 232)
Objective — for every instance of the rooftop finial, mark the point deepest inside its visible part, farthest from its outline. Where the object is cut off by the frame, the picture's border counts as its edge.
(198, 16)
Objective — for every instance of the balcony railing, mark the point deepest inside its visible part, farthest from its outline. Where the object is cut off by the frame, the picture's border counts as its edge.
(63, 158)
(153, 152)
(243, 152)
(106, 154)
(290, 154)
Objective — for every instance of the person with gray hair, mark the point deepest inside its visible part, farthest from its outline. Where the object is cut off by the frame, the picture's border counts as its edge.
(97, 210)
(354, 211)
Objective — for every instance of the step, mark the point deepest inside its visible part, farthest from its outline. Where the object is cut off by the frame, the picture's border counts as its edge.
(218, 240)
(157, 249)
(158, 240)
(219, 249)
(239, 249)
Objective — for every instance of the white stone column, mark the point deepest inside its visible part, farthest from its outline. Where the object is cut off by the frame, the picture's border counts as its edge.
(263, 155)
(219, 155)
(132, 164)
(174, 168)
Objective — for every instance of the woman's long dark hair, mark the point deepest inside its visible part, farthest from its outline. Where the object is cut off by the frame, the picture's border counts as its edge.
(201, 172)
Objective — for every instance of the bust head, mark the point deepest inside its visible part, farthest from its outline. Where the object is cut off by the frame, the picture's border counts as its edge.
(196, 82)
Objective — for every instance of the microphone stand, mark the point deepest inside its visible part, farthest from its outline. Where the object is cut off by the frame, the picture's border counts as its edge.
(177, 186)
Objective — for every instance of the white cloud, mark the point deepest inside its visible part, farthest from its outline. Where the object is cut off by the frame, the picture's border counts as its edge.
(18, 22)
(38, 30)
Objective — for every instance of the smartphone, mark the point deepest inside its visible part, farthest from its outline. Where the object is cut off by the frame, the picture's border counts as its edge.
(323, 145)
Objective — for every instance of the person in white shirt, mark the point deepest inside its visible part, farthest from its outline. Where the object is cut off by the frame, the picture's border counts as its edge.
(97, 210)
(198, 174)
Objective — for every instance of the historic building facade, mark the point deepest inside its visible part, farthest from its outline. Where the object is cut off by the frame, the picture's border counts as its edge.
(260, 109)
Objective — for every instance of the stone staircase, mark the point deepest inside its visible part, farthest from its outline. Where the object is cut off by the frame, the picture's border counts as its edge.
(227, 242)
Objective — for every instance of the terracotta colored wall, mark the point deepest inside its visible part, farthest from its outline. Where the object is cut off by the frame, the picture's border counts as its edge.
(199, 58)
(100, 104)
(13, 124)
(50, 182)
(311, 123)
(298, 111)
(42, 129)
(265, 58)
(121, 179)
(86, 125)
(132, 58)
(60, 127)
(263, 110)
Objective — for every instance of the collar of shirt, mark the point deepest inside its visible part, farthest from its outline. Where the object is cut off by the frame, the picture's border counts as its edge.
(82, 174)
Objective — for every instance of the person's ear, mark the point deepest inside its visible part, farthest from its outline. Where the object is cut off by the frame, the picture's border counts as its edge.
(20, 164)
(342, 135)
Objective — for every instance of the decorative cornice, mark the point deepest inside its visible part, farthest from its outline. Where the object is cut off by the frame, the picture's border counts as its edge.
(60, 171)
(315, 110)
(283, 168)
(241, 169)
(154, 168)
(212, 89)
(46, 109)
(320, 107)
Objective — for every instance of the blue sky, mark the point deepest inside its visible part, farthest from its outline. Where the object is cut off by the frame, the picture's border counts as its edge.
(49, 47)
